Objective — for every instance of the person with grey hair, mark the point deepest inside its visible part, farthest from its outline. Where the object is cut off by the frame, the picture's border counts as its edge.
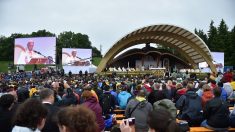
(47, 98)
(139, 109)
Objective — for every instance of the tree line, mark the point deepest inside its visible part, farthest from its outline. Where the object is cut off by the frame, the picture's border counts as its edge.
(66, 39)
(220, 39)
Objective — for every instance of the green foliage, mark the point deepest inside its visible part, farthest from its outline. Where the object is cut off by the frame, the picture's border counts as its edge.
(96, 60)
(220, 39)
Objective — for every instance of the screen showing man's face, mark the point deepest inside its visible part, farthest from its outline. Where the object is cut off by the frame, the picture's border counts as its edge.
(30, 46)
(74, 53)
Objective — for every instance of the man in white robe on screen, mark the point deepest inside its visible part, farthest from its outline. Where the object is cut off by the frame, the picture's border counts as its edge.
(73, 58)
(29, 53)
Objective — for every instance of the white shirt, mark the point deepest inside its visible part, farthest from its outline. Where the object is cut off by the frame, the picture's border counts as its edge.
(23, 129)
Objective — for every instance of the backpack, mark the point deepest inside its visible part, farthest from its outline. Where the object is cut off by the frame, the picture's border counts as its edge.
(106, 104)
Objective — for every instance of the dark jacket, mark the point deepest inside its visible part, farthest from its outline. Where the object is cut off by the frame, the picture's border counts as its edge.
(107, 107)
(190, 108)
(95, 106)
(50, 124)
(5, 120)
(206, 96)
(216, 113)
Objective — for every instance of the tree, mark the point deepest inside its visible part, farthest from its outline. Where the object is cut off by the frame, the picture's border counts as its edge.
(220, 39)
(202, 35)
(212, 37)
(74, 40)
(232, 47)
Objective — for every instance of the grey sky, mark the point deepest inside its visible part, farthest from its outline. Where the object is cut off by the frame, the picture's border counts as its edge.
(107, 21)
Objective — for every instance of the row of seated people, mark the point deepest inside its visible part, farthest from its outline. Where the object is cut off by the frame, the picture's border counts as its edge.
(123, 69)
(138, 102)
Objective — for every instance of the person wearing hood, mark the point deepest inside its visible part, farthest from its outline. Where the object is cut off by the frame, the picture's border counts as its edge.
(190, 107)
(139, 109)
(92, 103)
(123, 96)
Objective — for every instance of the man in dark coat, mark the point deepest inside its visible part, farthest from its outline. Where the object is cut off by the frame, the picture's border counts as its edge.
(190, 107)
(216, 112)
(47, 97)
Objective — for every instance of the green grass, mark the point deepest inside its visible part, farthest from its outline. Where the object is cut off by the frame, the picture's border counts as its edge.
(4, 66)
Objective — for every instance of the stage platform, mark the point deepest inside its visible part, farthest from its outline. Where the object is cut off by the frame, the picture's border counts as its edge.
(156, 72)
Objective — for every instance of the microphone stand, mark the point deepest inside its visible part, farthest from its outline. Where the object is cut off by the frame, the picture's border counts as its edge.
(44, 56)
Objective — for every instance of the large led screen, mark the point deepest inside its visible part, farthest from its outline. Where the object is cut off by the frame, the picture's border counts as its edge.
(218, 61)
(76, 57)
(37, 50)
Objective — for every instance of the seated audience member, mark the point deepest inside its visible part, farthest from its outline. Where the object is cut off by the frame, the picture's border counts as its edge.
(6, 113)
(107, 101)
(166, 91)
(47, 97)
(92, 103)
(23, 94)
(228, 75)
(70, 98)
(206, 95)
(180, 90)
(139, 108)
(233, 83)
(30, 116)
(123, 96)
(223, 95)
(190, 107)
(232, 118)
(90, 88)
(200, 89)
(227, 87)
(166, 104)
(160, 120)
(216, 113)
(77, 119)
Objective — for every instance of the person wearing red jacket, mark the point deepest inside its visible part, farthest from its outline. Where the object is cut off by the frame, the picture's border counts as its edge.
(206, 95)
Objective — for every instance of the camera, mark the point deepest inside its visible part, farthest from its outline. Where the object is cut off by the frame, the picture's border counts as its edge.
(130, 120)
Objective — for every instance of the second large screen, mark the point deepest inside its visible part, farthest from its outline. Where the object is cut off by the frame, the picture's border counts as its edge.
(76, 57)
(38, 50)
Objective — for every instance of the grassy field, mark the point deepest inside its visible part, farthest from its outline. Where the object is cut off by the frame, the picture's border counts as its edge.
(4, 65)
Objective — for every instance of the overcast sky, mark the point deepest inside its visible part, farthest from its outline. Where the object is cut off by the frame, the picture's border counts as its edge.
(107, 21)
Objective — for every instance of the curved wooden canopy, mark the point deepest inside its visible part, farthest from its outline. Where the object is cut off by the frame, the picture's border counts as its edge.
(183, 41)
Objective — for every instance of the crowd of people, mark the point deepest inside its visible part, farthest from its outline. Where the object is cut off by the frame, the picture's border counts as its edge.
(52, 102)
